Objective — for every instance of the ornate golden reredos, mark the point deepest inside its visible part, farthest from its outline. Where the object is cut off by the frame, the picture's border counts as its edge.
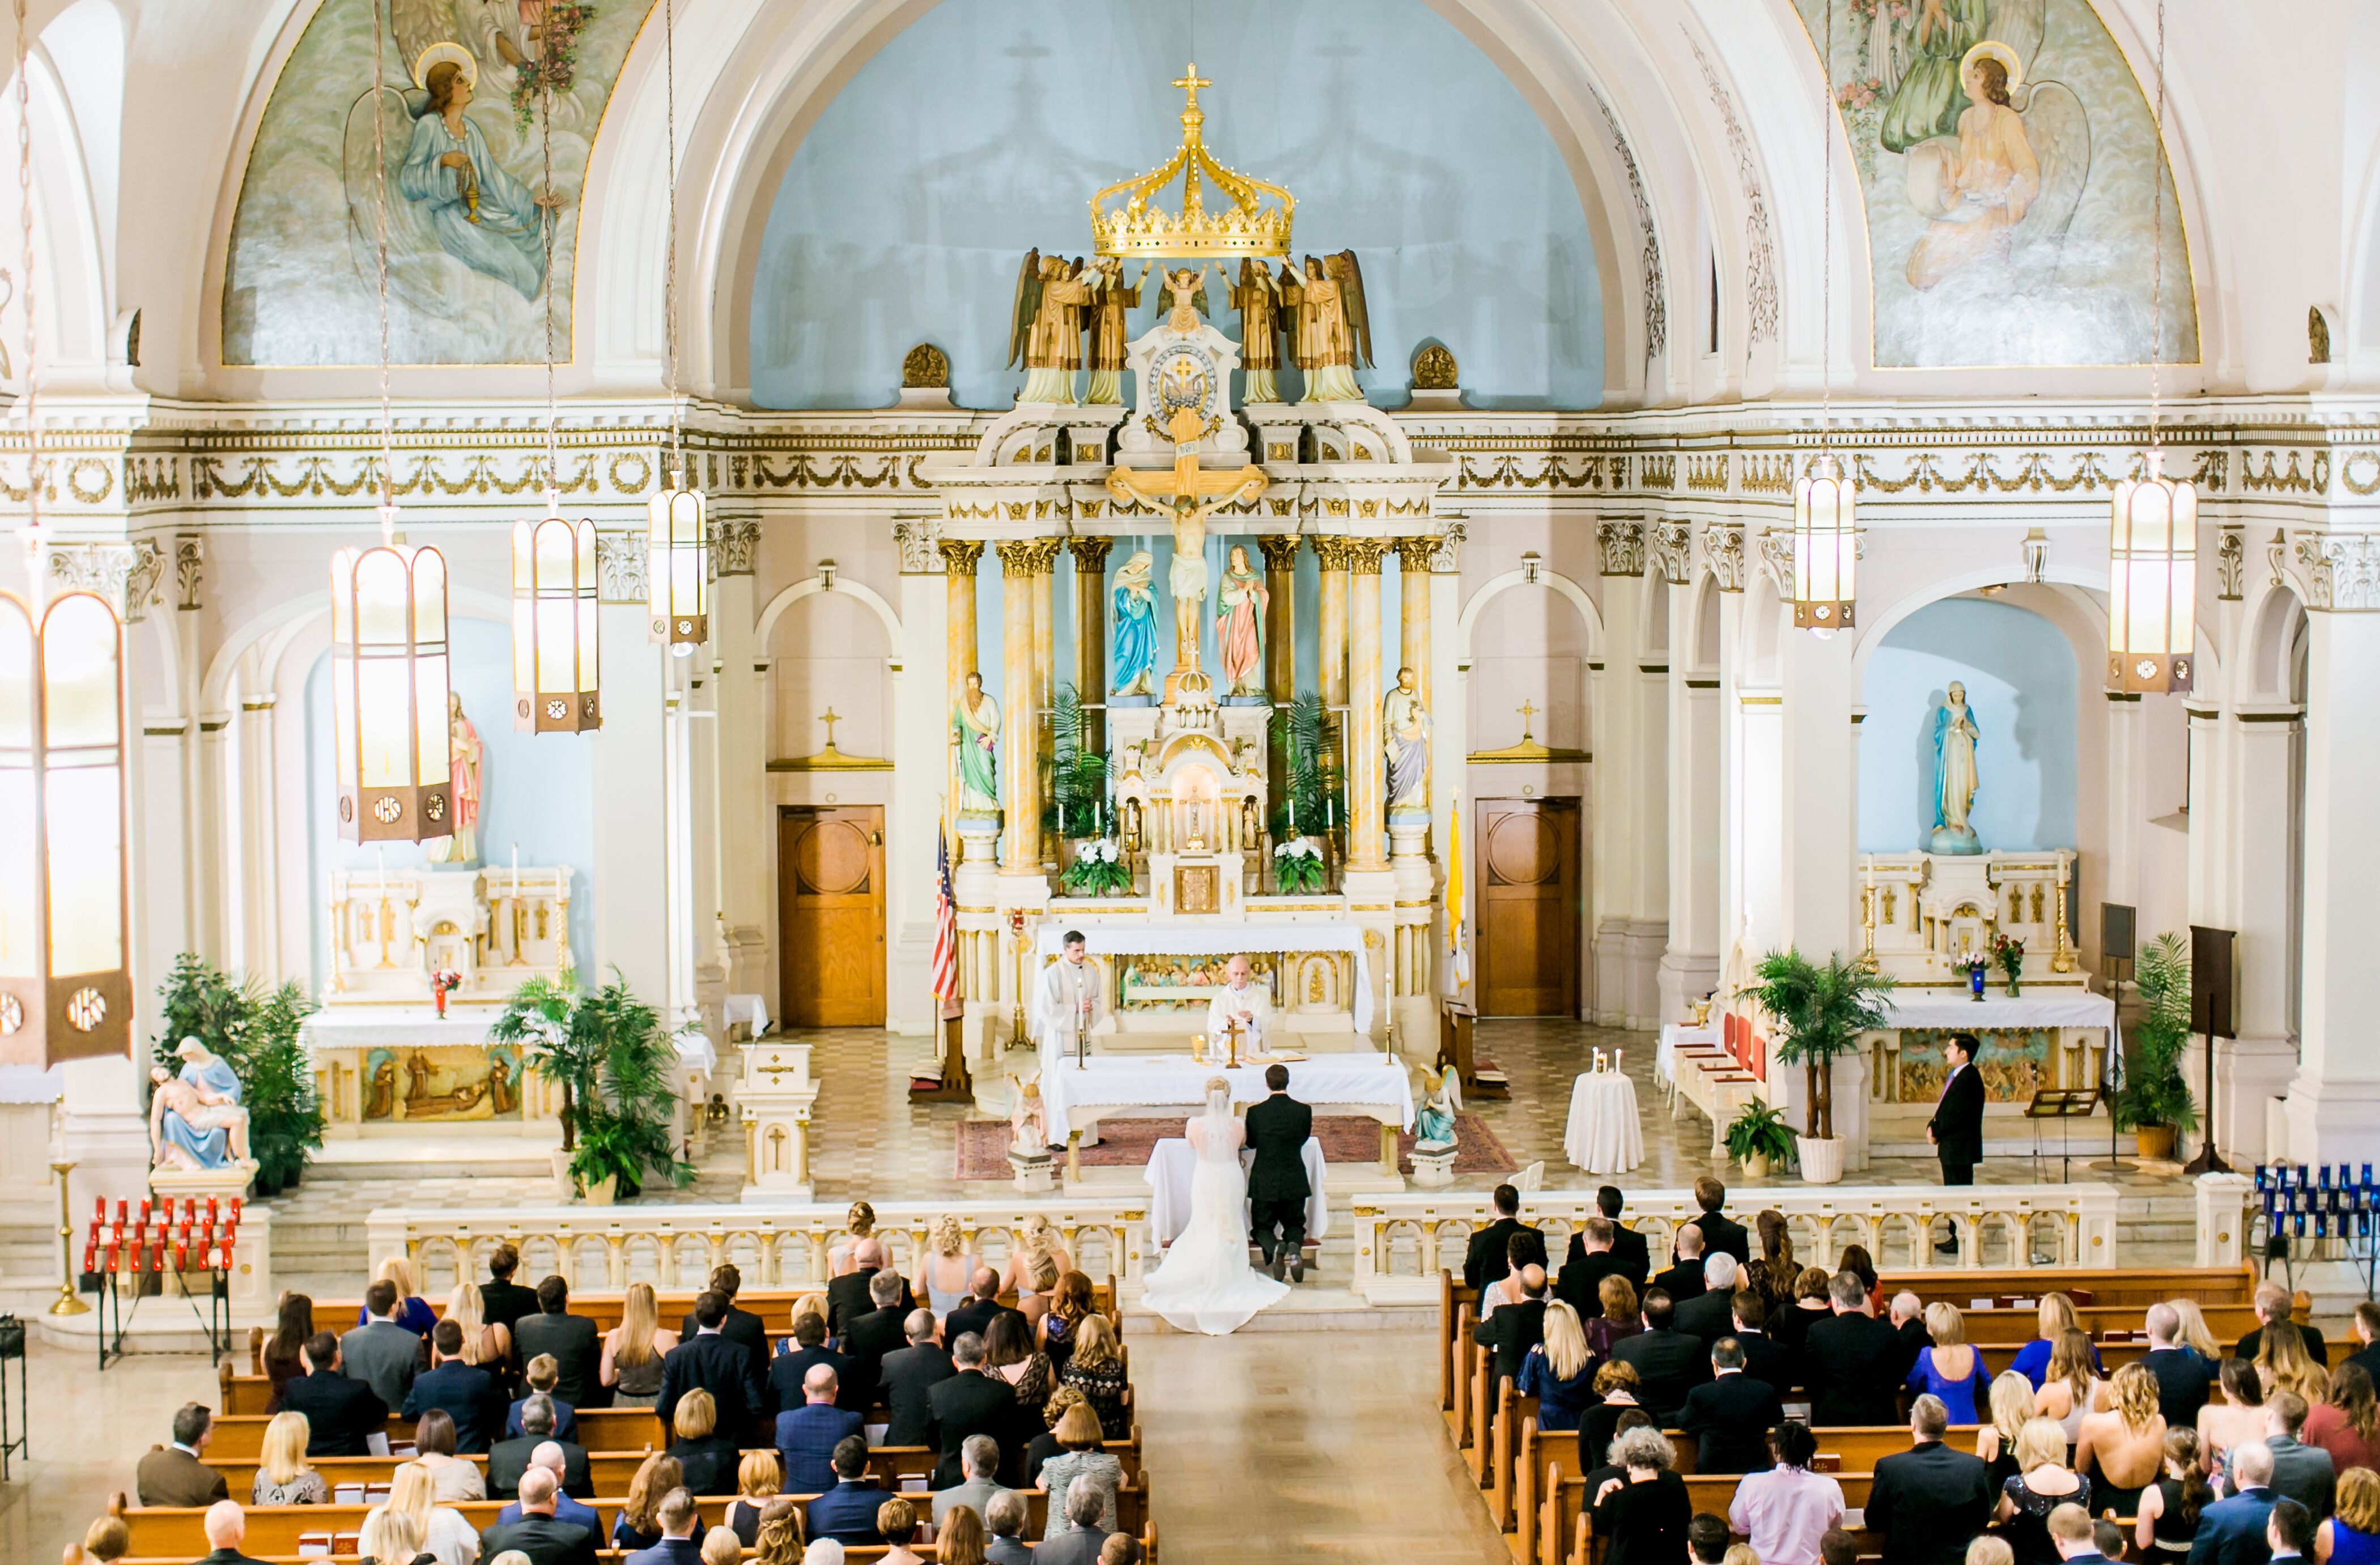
(1247, 227)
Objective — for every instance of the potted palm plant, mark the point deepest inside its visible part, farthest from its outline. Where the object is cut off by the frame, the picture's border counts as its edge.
(1819, 1013)
(1759, 1138)
(607, 1052)
(2153, 1102)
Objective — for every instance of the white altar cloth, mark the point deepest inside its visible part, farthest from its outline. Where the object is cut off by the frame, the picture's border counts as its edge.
(2066, 1006)
(1604, 1135)
(397, 1026)
(750, 1009)
(1374, 1083)
(1218, 940)
(1675, 1035)
(1168, 1177)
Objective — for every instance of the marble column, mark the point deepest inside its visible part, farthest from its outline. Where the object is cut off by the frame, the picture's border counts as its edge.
(1281, 651)
(1020, 726)
(1092, 634)
(1413, 556)
(1045, 682)
(629, 763)
(745, 894)
(1333, 554)
(960, 558)
(1366, 777)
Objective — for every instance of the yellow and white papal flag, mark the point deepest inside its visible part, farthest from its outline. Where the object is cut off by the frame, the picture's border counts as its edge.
(1458, 942)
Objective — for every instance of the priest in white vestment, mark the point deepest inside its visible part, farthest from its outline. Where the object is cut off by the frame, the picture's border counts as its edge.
(1066, 1003)
(1242, 1001)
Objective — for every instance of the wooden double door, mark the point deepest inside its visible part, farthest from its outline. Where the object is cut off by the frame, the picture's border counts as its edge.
(1528, 877)
(831, 916)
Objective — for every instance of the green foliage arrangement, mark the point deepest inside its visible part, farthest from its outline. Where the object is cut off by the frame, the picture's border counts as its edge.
(1306, 732)
(2155, 1092)
(1758, 1131)
(1077, 789)
(608, 1052)
(256, 1032)
(1821, 1011)
(557, 66)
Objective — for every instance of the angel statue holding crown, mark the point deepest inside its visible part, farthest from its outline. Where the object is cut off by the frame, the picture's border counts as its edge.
(1329, 326)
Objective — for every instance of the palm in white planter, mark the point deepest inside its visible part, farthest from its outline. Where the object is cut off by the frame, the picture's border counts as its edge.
(1820, 1013)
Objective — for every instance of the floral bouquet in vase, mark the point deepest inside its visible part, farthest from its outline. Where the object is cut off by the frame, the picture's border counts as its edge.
(2009, 956)
(1297, 866)
(444, 982)
(1098, 870)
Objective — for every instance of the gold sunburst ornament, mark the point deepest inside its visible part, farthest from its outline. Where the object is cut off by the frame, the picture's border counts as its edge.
(1251, 226)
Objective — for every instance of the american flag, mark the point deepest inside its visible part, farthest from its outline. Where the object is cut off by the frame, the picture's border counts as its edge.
(946, 929)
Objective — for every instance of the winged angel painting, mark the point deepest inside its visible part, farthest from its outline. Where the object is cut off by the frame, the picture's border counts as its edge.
(2013, 181)
(451, 123)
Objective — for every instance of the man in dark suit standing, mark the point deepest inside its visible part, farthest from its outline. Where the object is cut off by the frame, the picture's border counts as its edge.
(848, 1512)
(573, 1341)
(341, 1413)
(1512, 1330)
(847, 1296)
(1730, 1416)
(501, 1301)
(1765, 1358)
(1957, 1128)
(1597, 1257)
(1929, 1500)
(741, 1326)
(1635, 1255)
(1278, 1130)
(971, 1403)
(380, 1353)
(1722, 1235)
(537, 1533)
(869, 1337)
(1668, 1362)
(174, 1475)
(712, 1362)
(808, 1435)
(2184, 1380)
(1683, 1279)
(678, 1520)
(1488, 1256)
(909, 1377)
(467, 1394)
(1711, 1315)
(2232, 1531)
(1851, 1362)
(809, 1348)
(2367, 1338)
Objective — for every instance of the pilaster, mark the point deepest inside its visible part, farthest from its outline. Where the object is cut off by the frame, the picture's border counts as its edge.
(629, 771)
(745, 835)
(1332, 625)
(1090, 554)
(1367, 777)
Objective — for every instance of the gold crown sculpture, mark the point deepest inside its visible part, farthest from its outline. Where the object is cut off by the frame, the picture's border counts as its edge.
(1246, 227)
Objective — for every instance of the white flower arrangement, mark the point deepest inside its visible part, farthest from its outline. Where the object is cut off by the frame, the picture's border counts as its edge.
(1097, 849)
(1098, 870)
(1297, 866)
(1297, 847)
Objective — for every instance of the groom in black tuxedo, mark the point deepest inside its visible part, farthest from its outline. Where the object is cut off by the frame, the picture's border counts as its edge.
(1278, 1129)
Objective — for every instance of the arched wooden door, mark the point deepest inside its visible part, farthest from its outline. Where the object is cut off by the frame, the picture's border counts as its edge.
(831, 916)
(1528, 907)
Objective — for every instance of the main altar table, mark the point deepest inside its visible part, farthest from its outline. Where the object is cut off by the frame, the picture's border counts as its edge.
(1604, 1135)
(1173, 1160)
(1167, 938)
(1078, 1096)
(2068, 1005)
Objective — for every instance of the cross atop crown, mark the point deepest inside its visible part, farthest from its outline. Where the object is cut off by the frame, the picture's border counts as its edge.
(1190, 81)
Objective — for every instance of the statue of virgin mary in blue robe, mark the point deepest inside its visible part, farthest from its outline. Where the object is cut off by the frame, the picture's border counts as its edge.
(204, 1133)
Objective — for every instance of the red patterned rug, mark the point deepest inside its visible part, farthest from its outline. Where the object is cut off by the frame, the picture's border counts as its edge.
(1346, 1138)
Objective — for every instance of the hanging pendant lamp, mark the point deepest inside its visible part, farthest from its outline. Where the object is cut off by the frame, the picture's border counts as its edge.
(1825, 525)
(678, 524)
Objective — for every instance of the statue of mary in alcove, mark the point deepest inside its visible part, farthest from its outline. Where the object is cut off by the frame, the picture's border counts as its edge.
(1955, 779)
(1132, 639)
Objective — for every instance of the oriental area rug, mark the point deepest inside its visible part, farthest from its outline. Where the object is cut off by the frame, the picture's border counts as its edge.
(1346, 1138)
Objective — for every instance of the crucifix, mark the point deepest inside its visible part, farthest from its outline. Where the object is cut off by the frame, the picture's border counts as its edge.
(829, 719)
(1231, 1031)
(1527, 710)
(1192, 496)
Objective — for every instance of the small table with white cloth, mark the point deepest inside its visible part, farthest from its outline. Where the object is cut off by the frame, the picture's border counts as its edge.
(1173, 1160)
(1604, 1135)
(1139, 1086)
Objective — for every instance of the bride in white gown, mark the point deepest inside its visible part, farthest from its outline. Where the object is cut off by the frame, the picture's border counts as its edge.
(1206, 1283)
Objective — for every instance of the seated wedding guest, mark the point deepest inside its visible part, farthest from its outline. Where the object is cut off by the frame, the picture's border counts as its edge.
(511, 1459)
(1907, 1315)
(709, 1363)
(1619, 1315)
(2284, 1360)
(1506, 1289)
(638, 1524)
(2351, 1535)
(2184, 1378)
(1856, 1260)
(174, 1475)
(2012, 1407)
(848, 1512)
(1121, 1549)
(1774, 1274)
(1069, 1307)
(870, 1338)
(501, 1301)
(1683, 1279)
(1598, 1422)
(980, 1459)
(1851, 1362)
(721, 1547)
(678, 1545)
(1836, 1547)
(343, 1412)
(2195, 1334)
(1928, 1500)
(1511, 1331)
(907, 1379)
(390, 1537)
(1720, 1234)
(797, 1356)
(1557, 1371)
(445, 1533)
(1646, 1510)
(1038, 1241)
(760, 1478)
(822, 1551)
(380, 1353)
(1710, 1314)
(1594, 1255)
(2071, 1535)
(2233, 1531)
(470, 1396)
(282, 1476)
(1765, 1358)
(959, 1537)
(411, 1311)
(1010, 1355)
(285, 1350)
(2301, 1472)
(896, 1519)
(2053, 1318)
(547, 1456)
(1004, 1522)
(2042, 1483)
(571, 1339)
(1607, 1465)
(946, 1267)
(2347, 1423)
(2170, 1508)
(2070, 1391)
(1080, 1463)
(1041, 1274)
(2274, 1303)
(1785, 1511)
(841, 1258)
(848, 1296)
(1791, 1327)
(451, 1477)
(1487, 1255)
(486, 1344)
(225, 1527)
(2366, 1328)
(2238, 1418)
(2122, 1447)
(975, 1314)
(1730, 1418)
(807, 1435)
(108, 1538)
(630, 1365)
(709, 1457)
(779, 1540)
(1950, 1369)
(1096, 1369)
(1668, 1362)
(972, 1402)
(1083, 1537)
(1706, 1539)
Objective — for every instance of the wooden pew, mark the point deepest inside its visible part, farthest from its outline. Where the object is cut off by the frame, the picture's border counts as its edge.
(1480, 1403)
(855, 1554)
(1566, 1501)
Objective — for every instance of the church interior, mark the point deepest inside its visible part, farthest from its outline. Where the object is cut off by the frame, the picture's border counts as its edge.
(1627, 590)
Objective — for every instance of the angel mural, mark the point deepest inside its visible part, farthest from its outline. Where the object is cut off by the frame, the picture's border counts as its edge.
(1976, 188)
(483, 217)
(1328, 327)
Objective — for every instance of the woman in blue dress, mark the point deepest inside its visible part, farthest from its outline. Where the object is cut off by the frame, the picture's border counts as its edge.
(1951, 1369)
(2056, 1319)
(1558, 1371)
(1132, 651)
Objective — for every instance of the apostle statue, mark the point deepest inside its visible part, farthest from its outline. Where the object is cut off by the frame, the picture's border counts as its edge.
(1240, 1001)
(1132, 643)
(1046, 327)
(1239, 621)
(975, 729)
(469, 756)
(1109, 300)
(1066, 1003)
(1257, 298)
(1406, 723)
(195, 1117)
(1954, 775)
(1331, 328)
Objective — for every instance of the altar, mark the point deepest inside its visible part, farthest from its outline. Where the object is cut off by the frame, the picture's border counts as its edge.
(392, 1065)
(1157, 977)
(1374, 1084)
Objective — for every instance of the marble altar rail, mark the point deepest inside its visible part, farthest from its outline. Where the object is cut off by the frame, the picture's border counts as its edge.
(605, 1248)
(1401, 1241)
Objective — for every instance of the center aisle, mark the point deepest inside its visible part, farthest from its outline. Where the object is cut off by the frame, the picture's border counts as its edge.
(1266, 1445)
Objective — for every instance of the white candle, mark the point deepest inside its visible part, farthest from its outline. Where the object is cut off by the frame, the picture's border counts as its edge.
(1615, 1058)
(515, 864)
(380, 855)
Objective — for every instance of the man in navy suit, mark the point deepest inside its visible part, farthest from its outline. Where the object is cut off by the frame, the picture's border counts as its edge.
(2070, 1533)
(1957, 1127)
(848, 1512)
(341, 1413)
(1731, 1414)
(676, 1515)
(465, 1393)
(2291, 1531)
(803, 1352)
(1930, 1500)
(537, 1533)
(741, 1324)
(808, 1435)
(550, 1455)
(2234, 1531)
(718, 1366)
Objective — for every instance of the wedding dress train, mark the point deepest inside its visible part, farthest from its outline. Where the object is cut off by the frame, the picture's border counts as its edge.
(1205, 1283)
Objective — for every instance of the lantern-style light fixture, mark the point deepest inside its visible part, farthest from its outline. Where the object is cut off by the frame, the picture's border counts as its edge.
(677, 535)
(66, 989)
(555, 620)
(389, 694)
(1826, 548)
(2153, 583)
